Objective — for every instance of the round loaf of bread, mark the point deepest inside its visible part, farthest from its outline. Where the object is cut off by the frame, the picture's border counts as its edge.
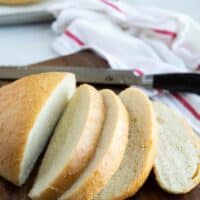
(177, 165)
(29, 110)
(141, 149)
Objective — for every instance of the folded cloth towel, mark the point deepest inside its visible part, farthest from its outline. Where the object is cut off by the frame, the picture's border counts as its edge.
(145, 39)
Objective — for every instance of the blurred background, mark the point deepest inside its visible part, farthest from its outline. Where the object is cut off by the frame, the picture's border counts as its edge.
(41, 48)
(190, 7)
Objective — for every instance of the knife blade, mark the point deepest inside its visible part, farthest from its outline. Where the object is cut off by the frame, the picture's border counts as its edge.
(83, 74)
(182, 82)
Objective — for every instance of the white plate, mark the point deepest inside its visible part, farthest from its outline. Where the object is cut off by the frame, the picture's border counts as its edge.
(17, 41)
(37, 12)
(40, 5)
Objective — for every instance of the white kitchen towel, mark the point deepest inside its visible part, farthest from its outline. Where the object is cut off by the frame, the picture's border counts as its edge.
(145, 39)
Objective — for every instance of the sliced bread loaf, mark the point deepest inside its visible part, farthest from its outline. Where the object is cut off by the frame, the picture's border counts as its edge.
(140, 152)
(177, 165)
(109, 152)
(72, 145)
(29, 109)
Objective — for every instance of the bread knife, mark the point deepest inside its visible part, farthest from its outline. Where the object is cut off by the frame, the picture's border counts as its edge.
(182, 82)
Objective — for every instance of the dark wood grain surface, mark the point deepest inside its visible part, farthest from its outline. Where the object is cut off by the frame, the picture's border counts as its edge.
(150, 190)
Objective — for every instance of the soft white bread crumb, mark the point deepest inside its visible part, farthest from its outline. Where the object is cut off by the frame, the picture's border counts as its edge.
(109, 152)
(177, 165)
(72, 145)
(140, 153)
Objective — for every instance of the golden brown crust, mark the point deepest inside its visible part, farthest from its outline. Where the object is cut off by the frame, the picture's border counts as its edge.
(79, 157)
(93, 184)
(110, 161)
(17, 2)
(20, 104)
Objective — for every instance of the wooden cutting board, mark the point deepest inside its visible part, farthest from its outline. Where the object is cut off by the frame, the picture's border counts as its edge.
(150, 191)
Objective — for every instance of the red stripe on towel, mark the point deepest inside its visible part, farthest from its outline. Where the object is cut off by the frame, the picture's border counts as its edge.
(172, 34)
(74, 38)
(112, 5)
(138, 72)
(187, 105)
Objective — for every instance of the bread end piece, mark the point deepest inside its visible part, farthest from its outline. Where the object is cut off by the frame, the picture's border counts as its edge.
(29, 109)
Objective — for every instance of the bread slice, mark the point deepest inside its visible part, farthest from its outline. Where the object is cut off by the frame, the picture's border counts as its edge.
(109, 152)
(72, 145)
(29, 110)
(177, 165)
(17, 2)
(196, 140)
(140, 152)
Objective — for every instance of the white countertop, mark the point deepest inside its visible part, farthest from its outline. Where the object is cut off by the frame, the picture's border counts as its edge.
(21, 45)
